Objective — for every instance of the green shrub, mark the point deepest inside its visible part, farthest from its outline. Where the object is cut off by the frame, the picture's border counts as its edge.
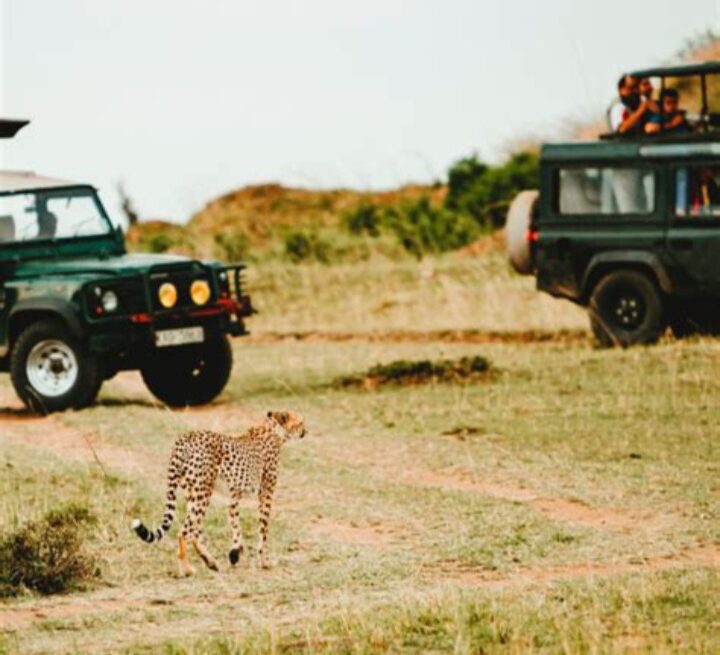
(158, 243)
(485, 192)
(422, 228)
(48, 555)
(232, 246)
(419, 226)
(303, 246)
(366, 218)
(406, 372)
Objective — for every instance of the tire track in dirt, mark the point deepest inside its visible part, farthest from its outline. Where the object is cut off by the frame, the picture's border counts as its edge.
(703, 556)
(49, 434)
(557, 509)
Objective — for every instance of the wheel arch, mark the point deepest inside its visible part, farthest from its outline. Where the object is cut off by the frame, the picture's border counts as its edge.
(30, 310)
(640, 261)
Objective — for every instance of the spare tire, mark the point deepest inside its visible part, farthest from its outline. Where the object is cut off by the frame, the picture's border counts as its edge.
(518, 222)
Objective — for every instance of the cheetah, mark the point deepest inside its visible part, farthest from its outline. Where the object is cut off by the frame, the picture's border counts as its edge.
(247, 463)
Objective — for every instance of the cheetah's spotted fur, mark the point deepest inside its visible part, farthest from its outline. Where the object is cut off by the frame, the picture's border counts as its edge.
(247, 463)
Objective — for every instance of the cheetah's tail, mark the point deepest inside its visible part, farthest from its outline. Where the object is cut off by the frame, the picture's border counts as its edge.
(150, 536)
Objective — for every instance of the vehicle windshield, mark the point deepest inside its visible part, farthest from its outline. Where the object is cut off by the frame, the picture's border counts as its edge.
(52, 214)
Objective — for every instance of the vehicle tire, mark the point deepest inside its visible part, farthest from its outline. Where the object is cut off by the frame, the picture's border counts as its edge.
(518, 222)
(182, 376)
(626, 309)
(51, 370)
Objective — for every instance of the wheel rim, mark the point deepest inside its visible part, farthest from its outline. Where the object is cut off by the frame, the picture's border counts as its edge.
(627, 310)
(52, 368)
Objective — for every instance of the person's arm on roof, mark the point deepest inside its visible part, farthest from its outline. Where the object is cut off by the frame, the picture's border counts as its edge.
(631, 120)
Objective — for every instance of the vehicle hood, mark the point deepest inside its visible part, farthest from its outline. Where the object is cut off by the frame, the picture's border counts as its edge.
(113, 265)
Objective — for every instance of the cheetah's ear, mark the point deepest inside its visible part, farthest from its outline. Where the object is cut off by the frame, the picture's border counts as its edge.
(269, 414)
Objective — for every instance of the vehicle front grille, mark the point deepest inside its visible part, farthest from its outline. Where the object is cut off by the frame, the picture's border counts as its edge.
(182, 279)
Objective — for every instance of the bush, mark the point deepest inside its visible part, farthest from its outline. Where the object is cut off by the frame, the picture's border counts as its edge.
(307, 246)
(366, 218)
(423, 228)
(233, 246)
(485, 192)
(404, 372)
(48, 556)
(419, 226)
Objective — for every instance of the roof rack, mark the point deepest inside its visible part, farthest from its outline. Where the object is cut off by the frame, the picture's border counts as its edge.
(9, 127)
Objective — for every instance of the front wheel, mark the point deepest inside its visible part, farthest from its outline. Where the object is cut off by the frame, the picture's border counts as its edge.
(626, 309)
(50, 369)
(182, 376)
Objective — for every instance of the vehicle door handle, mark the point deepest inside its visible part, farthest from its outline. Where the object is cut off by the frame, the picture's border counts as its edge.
(681, 244)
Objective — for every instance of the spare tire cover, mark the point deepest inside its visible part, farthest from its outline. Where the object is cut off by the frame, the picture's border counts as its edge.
(517, 223)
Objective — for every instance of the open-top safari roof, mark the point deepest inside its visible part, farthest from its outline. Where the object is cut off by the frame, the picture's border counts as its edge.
(685, 70)
(630, 151)
(14, 181)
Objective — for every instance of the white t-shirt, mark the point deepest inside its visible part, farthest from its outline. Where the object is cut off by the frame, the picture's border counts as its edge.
(617, 114)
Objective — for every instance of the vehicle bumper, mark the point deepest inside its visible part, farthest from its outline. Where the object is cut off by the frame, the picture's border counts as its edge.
(131, 338)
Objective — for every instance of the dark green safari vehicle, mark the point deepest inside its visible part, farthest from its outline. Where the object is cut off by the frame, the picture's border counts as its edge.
(76, 308)
(629, 227)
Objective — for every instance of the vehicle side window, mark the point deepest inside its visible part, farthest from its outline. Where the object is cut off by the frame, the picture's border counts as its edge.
(18, 220)
(52, 214)
(697, 191)
(606, 191)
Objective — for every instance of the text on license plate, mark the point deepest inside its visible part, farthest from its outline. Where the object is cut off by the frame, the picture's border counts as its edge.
(179, 336)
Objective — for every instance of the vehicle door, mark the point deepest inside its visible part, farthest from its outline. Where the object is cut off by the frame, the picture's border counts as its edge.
(599, 209)
(693, 237)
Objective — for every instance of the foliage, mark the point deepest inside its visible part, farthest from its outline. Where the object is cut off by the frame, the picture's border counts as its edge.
(303, 245)
(422, 228)
(232, 246)
(365, 218)
(405, 372)
(419, 226)
(48, 556)
(485, 192)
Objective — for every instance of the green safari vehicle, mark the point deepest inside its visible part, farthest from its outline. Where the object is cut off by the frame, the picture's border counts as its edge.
(629, 226)
(76, 308)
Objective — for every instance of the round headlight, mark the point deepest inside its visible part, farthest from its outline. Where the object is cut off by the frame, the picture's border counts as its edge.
(200, 292)
(167, 295)
(109, 301)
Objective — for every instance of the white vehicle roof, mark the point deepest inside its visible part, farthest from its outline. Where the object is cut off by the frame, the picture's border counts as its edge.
(27, 181)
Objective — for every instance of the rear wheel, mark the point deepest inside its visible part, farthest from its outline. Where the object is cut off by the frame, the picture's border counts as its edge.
(50, 369)
(626, 309)
(182, 376)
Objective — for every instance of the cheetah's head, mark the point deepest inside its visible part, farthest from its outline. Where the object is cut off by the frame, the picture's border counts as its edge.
(287, 425)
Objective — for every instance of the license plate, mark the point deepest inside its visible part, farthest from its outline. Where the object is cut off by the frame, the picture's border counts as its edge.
(179, 336)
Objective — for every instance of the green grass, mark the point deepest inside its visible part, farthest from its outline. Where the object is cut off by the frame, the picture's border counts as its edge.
(567, 504)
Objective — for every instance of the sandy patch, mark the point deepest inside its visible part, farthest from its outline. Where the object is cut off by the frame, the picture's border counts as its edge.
(372, 533)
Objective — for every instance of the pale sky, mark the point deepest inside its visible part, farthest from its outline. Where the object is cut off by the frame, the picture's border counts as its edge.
(184, 100)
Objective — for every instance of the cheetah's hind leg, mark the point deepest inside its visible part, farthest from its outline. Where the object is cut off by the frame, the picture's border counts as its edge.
(204, 553)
